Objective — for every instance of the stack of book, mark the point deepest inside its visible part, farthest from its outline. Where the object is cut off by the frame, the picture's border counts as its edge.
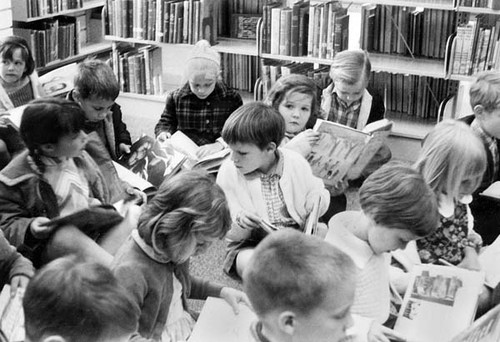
(138, 70)
(476, 46)
(406, 30)
(247, 67)
(315, 30)
(164, 20)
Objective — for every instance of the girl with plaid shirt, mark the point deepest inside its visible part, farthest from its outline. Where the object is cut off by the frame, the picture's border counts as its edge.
(201, 106)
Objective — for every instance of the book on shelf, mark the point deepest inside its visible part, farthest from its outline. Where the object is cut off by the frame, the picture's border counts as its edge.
(218, 323)
(344, 151)
(439, 302)
(11, 315)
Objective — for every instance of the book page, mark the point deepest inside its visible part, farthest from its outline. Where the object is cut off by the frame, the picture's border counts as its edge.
(489, 259)
(218, 323)
(493, 191)
(131, 178)
(12, 315)
(336, 151)
(485, 329)
(439, 302)
(184, 144)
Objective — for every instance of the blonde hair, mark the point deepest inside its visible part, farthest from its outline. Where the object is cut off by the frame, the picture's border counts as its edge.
(485, 91)
(203, 59)
(351, 66)
(450, 153)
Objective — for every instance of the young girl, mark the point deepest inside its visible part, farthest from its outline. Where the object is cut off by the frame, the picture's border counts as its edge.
(54, 177)
(186, 215)
(18, 85)
(295, 97)
(452, 161)
(200, 107)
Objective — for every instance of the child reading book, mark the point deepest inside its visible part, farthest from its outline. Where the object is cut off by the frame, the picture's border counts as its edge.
(265, 185)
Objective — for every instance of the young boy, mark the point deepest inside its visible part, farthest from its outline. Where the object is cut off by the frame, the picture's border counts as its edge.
(485, 122)
(397, 206)
(263, 184)
(96, 90)
(77, 302)
(300, 288)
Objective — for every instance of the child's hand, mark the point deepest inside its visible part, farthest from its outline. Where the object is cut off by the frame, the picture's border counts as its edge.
(247, 220)
(379, 333)
(39, 227)
(124, 148)
(471, 260)
(163, 136)
(209, 149)
(136, 196)
(18, 282)
(311, 199)
(339, 188)
(303, 142)
(233, 297)
(475, 241)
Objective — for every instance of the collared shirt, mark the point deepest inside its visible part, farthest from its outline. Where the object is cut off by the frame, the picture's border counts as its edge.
(342, 113)
(490, 142)
(200, 119)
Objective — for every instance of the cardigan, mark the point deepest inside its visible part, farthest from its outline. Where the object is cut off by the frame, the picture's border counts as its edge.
(12, 263)
(5, 101)
(149, 282)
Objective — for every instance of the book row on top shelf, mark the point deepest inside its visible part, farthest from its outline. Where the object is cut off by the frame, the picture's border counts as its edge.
(31, 10)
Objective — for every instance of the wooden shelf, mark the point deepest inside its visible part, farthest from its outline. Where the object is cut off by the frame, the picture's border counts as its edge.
(478, 10)
(411, 3)
(84, 53)
(237, 46)
(20, 13)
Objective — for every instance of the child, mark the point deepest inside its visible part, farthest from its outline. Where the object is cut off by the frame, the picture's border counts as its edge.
(346, 100)
(295, 98)
(77, 302)
(200, 107)
(397, 206)
(14, 268)
(485, 101)
(96, 90)
(186, 215)
(19, 84)
(452, 161)
(263, 184)
(300, 288)
(54, 177)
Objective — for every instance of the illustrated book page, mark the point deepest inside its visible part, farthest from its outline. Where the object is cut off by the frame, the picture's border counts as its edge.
(439, 302)
(484, 329)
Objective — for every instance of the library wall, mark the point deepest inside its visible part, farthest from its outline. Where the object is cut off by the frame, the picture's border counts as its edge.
(5, 18)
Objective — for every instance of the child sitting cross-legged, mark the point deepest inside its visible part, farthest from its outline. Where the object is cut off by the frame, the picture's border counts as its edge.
(70, 301)
(397, 206)
(263, 183)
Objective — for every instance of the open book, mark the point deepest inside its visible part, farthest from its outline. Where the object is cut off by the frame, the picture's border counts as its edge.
(485, 329)
(439, 302)
(182, 143)
(11, 315)
(342, 150)
(493, 191)
(218, 323)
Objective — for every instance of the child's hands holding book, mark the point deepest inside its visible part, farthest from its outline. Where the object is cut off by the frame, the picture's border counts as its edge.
(233, 297)
(18, 282)
(379, 333)
(163, 136)
(40, 229)
(248, 220)
(209, 149)
(304, 142)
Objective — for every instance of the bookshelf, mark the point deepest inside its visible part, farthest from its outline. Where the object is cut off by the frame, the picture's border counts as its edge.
(60, 32)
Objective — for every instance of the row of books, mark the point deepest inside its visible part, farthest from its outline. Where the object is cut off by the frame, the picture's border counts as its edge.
(476, 46)
(239, 71)
(406, 30)
(477, 3)
(138, 70)
(246, 6)
(164, 20)
(37, 8)
(315, 30)
(53, 39)
(415, 97)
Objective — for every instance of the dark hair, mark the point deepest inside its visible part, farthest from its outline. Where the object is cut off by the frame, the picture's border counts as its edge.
(10, 44)
(78, 301)
(397, 196)
(46, 120)
(293, 271)
(254, 123)
(295, 83)
(187, 205)
(96, 78)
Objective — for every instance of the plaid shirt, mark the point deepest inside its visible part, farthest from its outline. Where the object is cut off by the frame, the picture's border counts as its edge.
(342, 113)
(201, 120)
(491, 143)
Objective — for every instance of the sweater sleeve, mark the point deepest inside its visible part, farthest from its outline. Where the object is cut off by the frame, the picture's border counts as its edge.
(122, 135)
(12, 263)
(201, 289)
(168, 119)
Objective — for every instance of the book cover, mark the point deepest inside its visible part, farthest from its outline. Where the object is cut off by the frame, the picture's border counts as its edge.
(11, 316)
(485, 329)
(439, 302)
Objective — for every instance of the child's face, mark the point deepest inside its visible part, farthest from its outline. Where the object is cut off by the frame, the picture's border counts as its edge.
(490, 122)
(296, 110)
(249, 157)
(383, 239)
(469, 184)
(202, 84)
(68, 146)
(328, 322)
(12, 71)
(96, 109)
(350, 92)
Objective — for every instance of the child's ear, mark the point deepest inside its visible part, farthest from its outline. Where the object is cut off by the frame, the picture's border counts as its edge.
(479, 110)
(271, 147)
(47, 149)
(55, 338)
(287, 322)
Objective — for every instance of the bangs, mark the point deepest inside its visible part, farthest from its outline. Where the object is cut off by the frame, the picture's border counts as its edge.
(7, 52)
